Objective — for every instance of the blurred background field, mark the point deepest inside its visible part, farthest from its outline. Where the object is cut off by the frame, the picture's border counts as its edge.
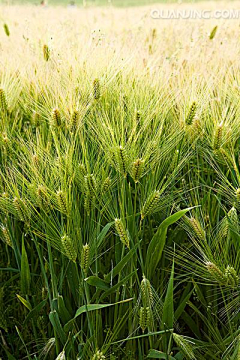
(118, 3)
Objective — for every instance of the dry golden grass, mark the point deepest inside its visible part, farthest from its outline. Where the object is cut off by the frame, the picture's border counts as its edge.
(106, 36)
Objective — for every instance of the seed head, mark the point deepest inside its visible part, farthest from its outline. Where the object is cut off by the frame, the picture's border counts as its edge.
(21, 209)
(238, 195)
(231, 276)
(89, 202)
(61, 356)
(6, 236)
(106, 185)
(144, 317)
(138, 116)
(42, 198)
(215, 272)
(137, 170)
(36, 119)
(62, 201)
(122, 160)
(218, 137)
(125, 103)
(146, 292)
(90, 183)
(85, 258)
(96, 89)
(3, 101)
(46, 52)
(185, 346)
(6, 29)
(74, 120)
(213, 32)
(197, 229)
(191, 114)
(69, 248)
(56, 118)
(150, 204)
(98, 356)
(122, 232)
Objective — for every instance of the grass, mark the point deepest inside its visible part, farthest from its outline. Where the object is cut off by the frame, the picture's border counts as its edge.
(120, 185)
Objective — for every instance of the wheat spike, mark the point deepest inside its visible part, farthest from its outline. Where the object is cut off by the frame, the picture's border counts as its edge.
(61, 356)
(96, 89)
(69, 248)
(215, 272)
(46, 52)
(6, 29)
(90, 183)
(213, 32)
(191, 114)
(197, 228)
(21, 209)
(231, 276)
(56, 118)
(3, 101)
(144, 317)
(6, 236)
(137, 170)
(89, 201)
(218, 137)
(85, 258)
(122, 160)
(233, 217)
(238, 195)
(74, 120)
(122, 232)
(42, 198)
(223, 229)
(35, 119)
(98, 356)
(146, 292)
(62, 201)
(138, 116)
(125, 103)
(106, 185)
(184, 345)
(150, 204)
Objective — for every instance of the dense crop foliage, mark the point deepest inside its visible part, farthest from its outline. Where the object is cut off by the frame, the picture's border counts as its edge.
(119, 188)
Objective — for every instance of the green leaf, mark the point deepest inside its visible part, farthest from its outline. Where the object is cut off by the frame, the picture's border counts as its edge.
(115, 287)
(156, 246)
(155, 354)
(25, 277)
(103, 233)
(90, 307)
(116, 270)
(9, 356)
(182, 305)
(35, 311)
(97, 282)
(168, 309)
(25, 302)
(142, 336)
(62, 310)
(54, 318)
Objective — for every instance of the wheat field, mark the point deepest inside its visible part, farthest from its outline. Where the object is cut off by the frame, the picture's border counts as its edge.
(120, 184)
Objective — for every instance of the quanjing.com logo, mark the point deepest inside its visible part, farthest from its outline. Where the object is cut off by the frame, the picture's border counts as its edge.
(195, 14)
